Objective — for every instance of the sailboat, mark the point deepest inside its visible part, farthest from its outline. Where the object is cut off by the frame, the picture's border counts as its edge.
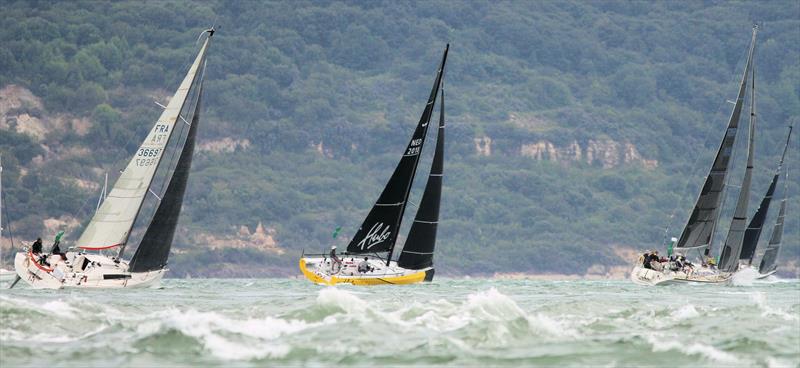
(368, 259)
(84, 266)
(768, 265)
(699, 231)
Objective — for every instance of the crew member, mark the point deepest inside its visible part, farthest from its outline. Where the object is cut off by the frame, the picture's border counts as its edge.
(364, 266)
(335, 261)
(36, 248)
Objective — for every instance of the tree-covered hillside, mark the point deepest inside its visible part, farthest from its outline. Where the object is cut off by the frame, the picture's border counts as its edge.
(576, 129)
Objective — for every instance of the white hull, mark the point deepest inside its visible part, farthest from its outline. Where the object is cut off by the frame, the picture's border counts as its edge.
(765, 275)
(82, 271)
(647, 277)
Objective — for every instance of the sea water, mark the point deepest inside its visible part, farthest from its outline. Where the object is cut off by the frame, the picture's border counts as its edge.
(451, 322)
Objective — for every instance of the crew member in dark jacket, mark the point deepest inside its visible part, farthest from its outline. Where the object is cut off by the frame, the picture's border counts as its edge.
(37, 246)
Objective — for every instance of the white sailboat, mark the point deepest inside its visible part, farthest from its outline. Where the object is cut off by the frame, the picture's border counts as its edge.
(112, 223)
(698, 234)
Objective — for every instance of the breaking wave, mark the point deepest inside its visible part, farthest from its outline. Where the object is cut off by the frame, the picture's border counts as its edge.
(459, 323)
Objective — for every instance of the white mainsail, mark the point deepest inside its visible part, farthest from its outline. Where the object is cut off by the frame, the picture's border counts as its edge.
(113, 221)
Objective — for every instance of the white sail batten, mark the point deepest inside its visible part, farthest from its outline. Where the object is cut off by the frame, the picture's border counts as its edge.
(111, 224)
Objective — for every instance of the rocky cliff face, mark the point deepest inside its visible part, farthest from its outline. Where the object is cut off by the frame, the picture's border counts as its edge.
(261, 239)
(605, 152)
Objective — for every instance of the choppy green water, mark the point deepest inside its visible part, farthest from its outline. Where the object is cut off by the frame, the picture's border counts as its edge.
(448, 322)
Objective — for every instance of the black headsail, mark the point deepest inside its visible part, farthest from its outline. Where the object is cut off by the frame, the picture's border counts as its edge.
(418, 250)
(769, 261)
(378, 232)
(700, 227)
(153, 250)
(753, 232)
(729, 260)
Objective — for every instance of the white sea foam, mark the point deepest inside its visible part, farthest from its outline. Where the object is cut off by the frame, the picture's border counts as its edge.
(228, 338)
(745, 277)
(685, 312)
(493, 306)
(696, 348)
(342, 299)
(761, 301)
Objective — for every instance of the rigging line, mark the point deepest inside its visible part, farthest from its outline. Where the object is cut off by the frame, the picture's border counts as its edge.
(711, 128)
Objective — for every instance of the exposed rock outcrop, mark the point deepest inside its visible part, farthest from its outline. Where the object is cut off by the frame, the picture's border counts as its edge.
(224, 145)
(483, 146)
(605, 152)
(262, 238)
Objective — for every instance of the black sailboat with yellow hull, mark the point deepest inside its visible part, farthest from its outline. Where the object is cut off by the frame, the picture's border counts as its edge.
(368, 259)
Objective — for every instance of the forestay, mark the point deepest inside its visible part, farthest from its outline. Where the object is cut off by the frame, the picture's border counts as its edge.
(113, 221)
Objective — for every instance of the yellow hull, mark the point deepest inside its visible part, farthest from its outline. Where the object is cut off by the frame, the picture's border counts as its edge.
(412, 278)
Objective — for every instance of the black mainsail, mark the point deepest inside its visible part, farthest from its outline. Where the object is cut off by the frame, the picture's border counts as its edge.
(769, 260)
(378, 232)
(729, 260)
(418, 250)
(700, 227)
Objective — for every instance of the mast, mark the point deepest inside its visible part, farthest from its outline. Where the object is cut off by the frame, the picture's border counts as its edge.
(378, 232)
(418, 250)
(112, 223)
(769, 260)
(729, 259)
(700, 226)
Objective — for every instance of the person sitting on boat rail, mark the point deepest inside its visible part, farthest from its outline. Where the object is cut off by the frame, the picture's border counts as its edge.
(36, 248)
(655, 261)
(687, 266)
(364, 266)
(645, 259)
(56, 246)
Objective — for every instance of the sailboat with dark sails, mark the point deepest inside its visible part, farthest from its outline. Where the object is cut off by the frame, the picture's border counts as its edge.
(699, 231)
(368, 259)
(84, 265)
(768, 265)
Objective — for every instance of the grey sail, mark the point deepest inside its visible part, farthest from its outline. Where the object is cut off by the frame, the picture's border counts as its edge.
(729, 260)
(153, 250)
(418, 250)
(769, 262)
(378, 232)
(753, 232)
(700, 227)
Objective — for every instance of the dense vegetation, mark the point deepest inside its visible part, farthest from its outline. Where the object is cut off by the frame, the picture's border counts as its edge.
(354, 76)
